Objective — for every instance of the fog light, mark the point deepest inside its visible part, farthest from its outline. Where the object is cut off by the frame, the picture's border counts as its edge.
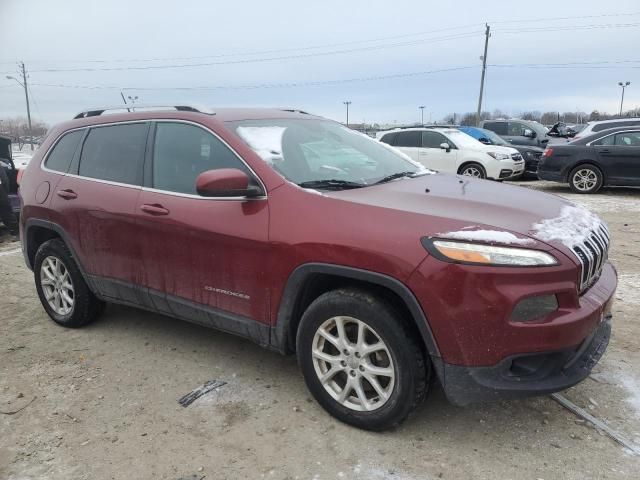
(533, 308)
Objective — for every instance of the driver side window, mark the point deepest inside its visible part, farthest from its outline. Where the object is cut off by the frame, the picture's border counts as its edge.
(516, 129)
(433, 140)
(181, 152)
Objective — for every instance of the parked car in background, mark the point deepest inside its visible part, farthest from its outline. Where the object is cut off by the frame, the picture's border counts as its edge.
(609, 157)
(600, 125)
(6, 162)
(573, 130)
(451, 151)
(306, 237)
(519, 132)
(530, 154)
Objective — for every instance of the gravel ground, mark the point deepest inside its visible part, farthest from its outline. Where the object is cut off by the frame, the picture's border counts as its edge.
(102, 402)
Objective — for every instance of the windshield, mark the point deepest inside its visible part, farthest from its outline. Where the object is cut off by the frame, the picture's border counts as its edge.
(462, 140)
(494, 138)
(312, 151)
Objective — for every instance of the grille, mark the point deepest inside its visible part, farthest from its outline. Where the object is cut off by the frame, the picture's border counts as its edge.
(516, 156)
(536, 155)
(592, 253)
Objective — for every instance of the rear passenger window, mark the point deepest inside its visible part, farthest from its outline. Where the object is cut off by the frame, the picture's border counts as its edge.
(60, 157)
(409, 139)
(498, 127)
(181, 152)
(115, 153)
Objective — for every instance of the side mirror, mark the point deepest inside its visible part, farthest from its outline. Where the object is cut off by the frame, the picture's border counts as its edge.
(529, 133)
(445, 146)
(225, 182)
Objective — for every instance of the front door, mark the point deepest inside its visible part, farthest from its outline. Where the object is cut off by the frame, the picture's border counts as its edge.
(436, 157)
(204, 258)
(621, 155)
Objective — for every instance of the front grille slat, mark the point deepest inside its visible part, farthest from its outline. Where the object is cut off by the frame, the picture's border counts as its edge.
(592, 252)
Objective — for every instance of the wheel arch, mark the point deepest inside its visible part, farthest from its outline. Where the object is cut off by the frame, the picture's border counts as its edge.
(307, 282)
(469, 162)
(36, 232)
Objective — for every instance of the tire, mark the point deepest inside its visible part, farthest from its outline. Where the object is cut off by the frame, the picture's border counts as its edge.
(585, 179)
(473, 170)
(401, 372)
(55, 270)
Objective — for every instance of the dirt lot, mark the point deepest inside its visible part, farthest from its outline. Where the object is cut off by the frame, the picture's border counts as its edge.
(101, 402)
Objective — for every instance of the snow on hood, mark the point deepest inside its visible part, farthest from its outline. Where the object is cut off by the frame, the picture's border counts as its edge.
(572, 227)
(265, 141)
(491, 236)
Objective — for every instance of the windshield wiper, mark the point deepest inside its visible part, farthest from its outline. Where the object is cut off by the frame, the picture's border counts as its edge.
(393, 176)
(331, 184)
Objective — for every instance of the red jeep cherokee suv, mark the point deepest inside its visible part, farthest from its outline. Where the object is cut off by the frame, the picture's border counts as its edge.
(305, 236)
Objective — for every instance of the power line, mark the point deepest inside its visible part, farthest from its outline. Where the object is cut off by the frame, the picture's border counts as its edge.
(265, 59)
(331, 45)
(574, 65)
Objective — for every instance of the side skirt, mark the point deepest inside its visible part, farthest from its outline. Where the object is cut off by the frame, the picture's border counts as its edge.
(124, 293)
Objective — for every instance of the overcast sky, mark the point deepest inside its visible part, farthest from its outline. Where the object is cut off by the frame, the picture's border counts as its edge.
(243, 44)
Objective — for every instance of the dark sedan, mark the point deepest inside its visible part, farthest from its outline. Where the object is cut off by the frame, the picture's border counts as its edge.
(609, 157)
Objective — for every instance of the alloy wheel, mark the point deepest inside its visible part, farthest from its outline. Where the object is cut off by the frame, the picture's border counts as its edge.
(57, 286)
(585, 179)
(353, 363)
(472, 172)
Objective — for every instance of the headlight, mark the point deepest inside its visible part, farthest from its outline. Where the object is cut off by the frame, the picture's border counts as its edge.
(480, 254)
(499, 156)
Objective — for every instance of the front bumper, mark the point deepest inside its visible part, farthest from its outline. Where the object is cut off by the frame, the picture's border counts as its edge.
(525, 375)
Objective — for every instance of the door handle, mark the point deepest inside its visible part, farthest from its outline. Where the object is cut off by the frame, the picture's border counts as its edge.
(606, 150)
(154, 209)
(67, 194)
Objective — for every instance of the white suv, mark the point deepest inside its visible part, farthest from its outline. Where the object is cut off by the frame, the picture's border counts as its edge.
(600, 125)
(450, 150)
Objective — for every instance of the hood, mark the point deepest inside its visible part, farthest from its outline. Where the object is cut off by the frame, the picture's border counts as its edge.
(528, 148)
(465, 208)
(481, 147)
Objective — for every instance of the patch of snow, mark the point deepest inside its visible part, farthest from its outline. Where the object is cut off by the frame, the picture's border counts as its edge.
(265, 141)
(572, 227)
(632, 385)
(627, 291)
(22, 157)
(496, 236)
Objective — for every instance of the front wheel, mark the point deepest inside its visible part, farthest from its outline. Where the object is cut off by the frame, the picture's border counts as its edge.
(585, 179)
(473, 170)
(360, 360)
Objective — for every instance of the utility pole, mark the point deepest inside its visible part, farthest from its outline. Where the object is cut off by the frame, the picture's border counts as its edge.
(421, 107)
(23, 84)
(347, 103)
(487, 34)
(623, 85)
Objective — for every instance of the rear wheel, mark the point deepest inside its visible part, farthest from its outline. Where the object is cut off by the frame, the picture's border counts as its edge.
(473, 170)
(360, 361)
(63, 292)
(585, 179)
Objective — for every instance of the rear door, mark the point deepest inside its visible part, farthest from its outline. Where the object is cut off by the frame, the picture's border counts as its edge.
(410, 143)
(620, 153)
(96, 201)
(200, 254)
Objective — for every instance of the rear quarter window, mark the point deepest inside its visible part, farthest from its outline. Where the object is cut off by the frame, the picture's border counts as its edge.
(622, 123)
(63, 151)
(115, 153)
(498, 127)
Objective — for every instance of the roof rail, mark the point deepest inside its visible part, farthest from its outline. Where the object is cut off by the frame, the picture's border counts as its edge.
(94, 112)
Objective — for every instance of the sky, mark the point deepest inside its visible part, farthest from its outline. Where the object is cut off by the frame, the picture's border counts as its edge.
(387, 58)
